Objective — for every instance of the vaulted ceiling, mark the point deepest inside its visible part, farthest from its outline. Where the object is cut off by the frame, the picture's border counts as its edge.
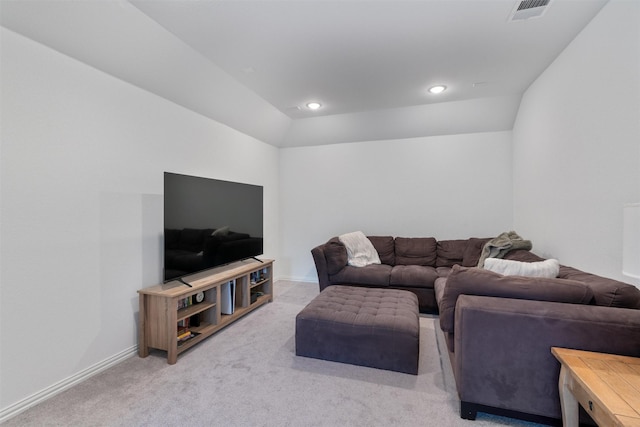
(254, 65)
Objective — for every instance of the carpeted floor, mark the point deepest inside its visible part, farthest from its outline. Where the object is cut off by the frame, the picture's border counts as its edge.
(248, 375)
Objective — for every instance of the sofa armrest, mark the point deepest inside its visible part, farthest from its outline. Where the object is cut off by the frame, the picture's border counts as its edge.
(502, 348)
(477, 281)
(321, 266)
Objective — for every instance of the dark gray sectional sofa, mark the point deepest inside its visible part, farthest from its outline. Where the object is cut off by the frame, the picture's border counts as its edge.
(499, 330)
(411, 264)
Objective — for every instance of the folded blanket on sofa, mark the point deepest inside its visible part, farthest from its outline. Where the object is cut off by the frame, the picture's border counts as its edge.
(360, 250)
(499, 246)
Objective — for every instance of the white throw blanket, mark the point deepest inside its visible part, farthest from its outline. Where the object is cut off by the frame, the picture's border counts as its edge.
(360, 250)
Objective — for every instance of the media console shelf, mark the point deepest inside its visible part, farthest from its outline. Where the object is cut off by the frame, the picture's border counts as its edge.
(172, 319)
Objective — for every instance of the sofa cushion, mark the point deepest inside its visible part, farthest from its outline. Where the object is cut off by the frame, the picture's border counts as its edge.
(336, 255)
(450, 252)
(413, 276)
(508, 267)
(472, 252)
(415, 251)
(477, 281)
(370, 275)
(438, 288)
(385, 247)
(522, 255)
(606, 292)
(443, 271)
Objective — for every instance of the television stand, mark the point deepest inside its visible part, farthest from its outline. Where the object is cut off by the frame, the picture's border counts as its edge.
(174, 318)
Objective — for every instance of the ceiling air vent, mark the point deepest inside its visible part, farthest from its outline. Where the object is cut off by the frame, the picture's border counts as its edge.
(529, 9)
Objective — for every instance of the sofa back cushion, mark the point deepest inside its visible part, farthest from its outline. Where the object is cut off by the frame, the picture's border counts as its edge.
(473, 250)
(477, 281)
(372, 275)
(385, 247)
(606, 292)
(450, 252)
(416, 251)
(523, 255)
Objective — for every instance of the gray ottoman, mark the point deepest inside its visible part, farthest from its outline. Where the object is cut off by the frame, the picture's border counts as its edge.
(371, 327)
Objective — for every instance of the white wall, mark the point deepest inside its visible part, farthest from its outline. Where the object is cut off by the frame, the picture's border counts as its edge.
(448, 187)
(81, 216)
(577, 145)
(117, 38)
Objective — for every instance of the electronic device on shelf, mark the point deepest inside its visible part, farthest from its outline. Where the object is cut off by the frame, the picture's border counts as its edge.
(208, 223)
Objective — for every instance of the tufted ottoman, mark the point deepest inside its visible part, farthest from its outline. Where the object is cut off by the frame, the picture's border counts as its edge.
(371, 327)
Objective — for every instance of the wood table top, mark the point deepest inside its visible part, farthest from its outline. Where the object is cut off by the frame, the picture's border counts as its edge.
(612, 381)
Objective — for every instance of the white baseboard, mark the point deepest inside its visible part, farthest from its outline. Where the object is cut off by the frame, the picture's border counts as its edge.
(60, 386)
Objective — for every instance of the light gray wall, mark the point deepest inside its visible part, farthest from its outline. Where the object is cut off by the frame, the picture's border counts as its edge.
(577, 145)
(82, 164)
(448, 187)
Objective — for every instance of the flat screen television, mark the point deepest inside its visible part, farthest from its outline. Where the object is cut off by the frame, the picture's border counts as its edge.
(208, 223)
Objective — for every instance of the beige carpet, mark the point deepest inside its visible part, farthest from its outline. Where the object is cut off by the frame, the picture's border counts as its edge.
(248, 375)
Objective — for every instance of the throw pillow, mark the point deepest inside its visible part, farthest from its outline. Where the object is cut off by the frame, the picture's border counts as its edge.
(548, 268)
(360, 250)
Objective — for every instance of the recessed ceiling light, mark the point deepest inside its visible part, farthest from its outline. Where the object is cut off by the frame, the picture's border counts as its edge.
(314, 105)
(437, 89)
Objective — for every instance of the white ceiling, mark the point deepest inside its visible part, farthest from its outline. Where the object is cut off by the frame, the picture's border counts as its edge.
(253, 65)
(355, 56)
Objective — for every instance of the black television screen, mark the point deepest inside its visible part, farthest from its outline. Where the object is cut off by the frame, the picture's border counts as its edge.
(209, 222)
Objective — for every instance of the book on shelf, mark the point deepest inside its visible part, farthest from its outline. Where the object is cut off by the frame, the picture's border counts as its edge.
(185, 302)
(258, 276)
(186, 337)
(182, 336)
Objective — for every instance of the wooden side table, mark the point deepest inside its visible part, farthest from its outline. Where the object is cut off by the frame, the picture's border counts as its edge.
(607, 386)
